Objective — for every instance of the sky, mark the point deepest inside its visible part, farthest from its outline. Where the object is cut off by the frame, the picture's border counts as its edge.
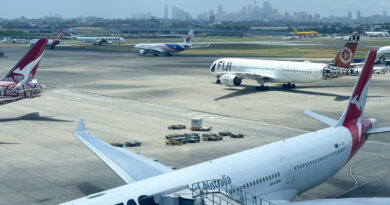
(125, 8)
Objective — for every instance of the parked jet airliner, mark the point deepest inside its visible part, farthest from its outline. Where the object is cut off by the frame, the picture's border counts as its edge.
(276, 172)
(52, 43)
(231, 71)
(19, 84)
(98, 40)
(157, 49)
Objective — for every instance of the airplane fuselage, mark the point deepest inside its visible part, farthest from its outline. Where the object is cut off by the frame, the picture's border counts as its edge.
(273, 71)
(12, 91)
(101, 39)
(161, 47)
(279, 170)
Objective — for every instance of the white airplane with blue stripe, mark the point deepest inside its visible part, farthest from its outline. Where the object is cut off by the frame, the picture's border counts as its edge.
(167, 49)
(272, 174)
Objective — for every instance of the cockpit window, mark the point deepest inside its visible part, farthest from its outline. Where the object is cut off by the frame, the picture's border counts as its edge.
(212, 69)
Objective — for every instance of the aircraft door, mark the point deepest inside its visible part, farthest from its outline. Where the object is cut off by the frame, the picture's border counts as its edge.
(289, 170)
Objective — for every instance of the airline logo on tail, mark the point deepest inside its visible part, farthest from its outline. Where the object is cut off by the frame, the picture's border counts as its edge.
(188, 39)
(345, 56)
(24, 70)
(59, 35)
(358, 99)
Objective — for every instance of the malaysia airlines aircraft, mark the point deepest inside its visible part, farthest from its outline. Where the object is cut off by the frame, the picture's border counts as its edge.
(98, 40)
(231, 71)
(273, 173)
(19, 84)
(51, 43)
(157, 49)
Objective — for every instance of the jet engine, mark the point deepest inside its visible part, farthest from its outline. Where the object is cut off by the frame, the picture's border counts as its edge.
(230, 80)
(142, 52)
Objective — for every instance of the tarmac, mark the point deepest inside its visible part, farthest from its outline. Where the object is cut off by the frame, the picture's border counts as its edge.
(124, 97)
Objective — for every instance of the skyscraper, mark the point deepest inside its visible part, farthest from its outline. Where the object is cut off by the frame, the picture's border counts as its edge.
(166, 11)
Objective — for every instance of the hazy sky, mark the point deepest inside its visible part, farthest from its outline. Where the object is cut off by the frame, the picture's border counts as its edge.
(125, 8)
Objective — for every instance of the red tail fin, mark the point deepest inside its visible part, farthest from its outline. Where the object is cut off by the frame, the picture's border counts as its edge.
(59, 35)
(345, 56)
(25, 69)
(356, 104)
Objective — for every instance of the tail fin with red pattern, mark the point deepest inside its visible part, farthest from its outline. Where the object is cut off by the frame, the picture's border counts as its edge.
(344, 57)
(25, 69)
(354, 110)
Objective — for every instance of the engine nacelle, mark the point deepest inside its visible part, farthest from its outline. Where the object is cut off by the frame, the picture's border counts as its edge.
(142, 52)
(230, 80)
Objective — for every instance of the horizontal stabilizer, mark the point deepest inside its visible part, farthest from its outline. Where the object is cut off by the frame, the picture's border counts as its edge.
(378, 130)
(326, 120)
(128, 165)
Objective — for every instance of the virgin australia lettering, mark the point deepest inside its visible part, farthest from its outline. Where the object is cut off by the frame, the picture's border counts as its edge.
(275, 172)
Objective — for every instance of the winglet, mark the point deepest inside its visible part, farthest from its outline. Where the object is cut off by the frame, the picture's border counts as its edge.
(81, 126)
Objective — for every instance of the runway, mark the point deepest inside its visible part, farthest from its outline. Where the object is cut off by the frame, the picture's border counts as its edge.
(124, 97)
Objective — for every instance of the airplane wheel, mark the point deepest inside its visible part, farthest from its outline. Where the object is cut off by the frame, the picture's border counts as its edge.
(293, 85)
(155, 54)
(266, 88)
(284, 86)
(218, 81)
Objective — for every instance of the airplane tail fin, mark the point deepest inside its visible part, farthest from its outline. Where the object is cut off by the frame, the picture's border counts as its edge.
(295, 30)
(344, 57)
(59, 35)
(188, 38)
(354, 110)
(25, 69)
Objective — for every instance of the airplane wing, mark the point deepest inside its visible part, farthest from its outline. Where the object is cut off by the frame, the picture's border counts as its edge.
(129, 165)
(326, 120)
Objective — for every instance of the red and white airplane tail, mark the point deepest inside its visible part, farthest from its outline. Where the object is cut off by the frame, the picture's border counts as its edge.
(344, 57)
(354, 110)
(25, 69)
(59, 35)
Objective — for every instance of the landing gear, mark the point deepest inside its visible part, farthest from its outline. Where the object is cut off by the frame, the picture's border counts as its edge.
(218, 81)
(168, 54)
(288, 85)
(262, 87)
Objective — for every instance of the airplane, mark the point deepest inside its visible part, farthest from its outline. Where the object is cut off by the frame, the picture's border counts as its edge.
(19, 84)
(167, 48)
(231, 71)
(290, 38)
(377, 33)
(305, 33)
(51, 42)
(270, 174)
(98, 40)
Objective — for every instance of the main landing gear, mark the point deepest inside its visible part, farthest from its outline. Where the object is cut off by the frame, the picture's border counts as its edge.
(288, 85)
(218, 81)
(262, 87)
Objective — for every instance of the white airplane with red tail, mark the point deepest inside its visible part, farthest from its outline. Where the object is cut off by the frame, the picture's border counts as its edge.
(51, 43)
(271, 174)
(19, 83)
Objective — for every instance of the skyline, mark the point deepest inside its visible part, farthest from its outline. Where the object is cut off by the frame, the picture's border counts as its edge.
(123, 8)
